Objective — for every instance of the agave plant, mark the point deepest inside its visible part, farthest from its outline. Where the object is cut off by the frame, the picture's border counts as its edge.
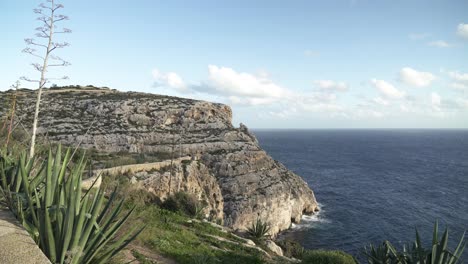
(381, 254)
(417, 254)
(69, 226)
(439, 253)
(259, 229)
(7, 187)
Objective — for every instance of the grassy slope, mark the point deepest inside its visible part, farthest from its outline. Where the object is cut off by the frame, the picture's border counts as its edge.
(178, 237)
(171, 235)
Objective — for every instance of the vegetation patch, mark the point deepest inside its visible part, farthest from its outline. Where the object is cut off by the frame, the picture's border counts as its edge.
(185, 203)
(327, 257)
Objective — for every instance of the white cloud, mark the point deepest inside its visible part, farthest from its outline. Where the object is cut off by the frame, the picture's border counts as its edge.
(416, 78)
(231, 86)
(170, 79)
(380, 101)
(387, 90)
(227, 82)
(463, 103)
(459, 86)
(322, 107)
(435, 100)
(442, 108)
(439, 44)
(262, 73)
(404, 108)
(460, 80)
(328, 85)
(462, 30)
(416, 36)
(284, 114)
(363, 112)
(311, 53)
(242, 100)
(459, 77)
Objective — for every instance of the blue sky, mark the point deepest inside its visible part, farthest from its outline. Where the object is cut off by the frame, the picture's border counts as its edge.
(279, 64)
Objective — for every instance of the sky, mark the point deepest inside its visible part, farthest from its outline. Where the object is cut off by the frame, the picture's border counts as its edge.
(278, 64)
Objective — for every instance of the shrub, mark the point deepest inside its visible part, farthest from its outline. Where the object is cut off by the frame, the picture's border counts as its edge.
(291, 248)
(204, 259)
(327, 257)
(184, 203)
(259, 230)
(138, 196)
(438, 253)
(133, 194)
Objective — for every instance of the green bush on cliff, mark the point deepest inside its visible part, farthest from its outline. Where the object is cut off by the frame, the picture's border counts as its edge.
(184, 203)
(291, 248)
(327, 257)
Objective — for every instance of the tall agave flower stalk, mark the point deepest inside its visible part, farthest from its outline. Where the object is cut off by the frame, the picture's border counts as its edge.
(69, 225)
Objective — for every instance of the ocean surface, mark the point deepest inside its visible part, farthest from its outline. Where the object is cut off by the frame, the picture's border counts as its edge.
(375, 185)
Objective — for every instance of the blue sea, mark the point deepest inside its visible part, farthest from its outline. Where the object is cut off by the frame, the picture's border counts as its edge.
(375, 185)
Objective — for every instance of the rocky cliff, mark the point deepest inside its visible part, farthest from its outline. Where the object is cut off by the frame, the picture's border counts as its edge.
(225, 165)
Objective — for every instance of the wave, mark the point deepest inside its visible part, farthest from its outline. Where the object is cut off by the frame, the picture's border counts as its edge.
(309, 221)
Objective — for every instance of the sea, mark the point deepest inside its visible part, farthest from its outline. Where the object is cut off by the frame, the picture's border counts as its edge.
(376, 185)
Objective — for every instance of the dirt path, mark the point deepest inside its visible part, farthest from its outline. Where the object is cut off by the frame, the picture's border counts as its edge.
(149, 254)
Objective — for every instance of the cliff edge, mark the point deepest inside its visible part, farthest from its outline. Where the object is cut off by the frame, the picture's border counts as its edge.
(219, 163)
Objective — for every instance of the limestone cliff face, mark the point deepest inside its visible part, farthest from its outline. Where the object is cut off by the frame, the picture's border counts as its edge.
(227, 168)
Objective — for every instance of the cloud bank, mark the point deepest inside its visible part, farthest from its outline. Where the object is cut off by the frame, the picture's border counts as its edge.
(325, 98)
(416, 78)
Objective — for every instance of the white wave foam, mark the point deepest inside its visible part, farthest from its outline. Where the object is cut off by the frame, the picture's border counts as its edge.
(308, 221)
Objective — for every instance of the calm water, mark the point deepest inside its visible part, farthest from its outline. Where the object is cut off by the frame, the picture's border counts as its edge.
(376, 184)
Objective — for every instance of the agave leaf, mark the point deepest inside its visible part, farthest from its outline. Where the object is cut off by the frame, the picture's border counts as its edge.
(459, 250)
(109, 203)
(78, 227)
(435, 240)
(444, 240)
(25, 183)
(37, 180)
(49, 233)
(434, 254)
(119, 245)
(90, 223)
(92, 187)
(49, 184)
(66, 160)
(67, 231)
(107, 235)
(55, 170)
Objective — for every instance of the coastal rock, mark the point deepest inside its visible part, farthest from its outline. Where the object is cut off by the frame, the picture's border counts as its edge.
(219, 163)
(274, 248)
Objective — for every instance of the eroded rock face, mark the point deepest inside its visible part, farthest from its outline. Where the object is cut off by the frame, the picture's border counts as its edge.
(189, 176)
(230, 171)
